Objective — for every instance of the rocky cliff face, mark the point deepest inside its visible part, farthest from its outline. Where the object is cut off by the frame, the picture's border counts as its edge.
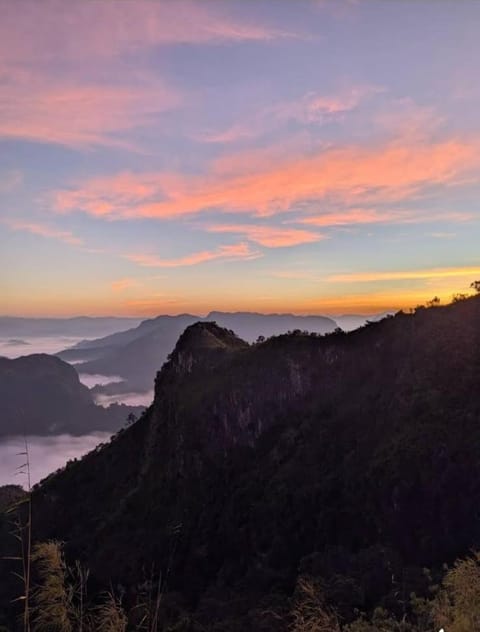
(212, 369)
(354, 456)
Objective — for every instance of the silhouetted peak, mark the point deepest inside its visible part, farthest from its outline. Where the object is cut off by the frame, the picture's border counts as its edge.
(205, 343)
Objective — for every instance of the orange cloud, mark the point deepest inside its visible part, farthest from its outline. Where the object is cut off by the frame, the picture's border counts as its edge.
(269, 236)
(45, 231)
(408, 275)
(226, 253)
(350, 176)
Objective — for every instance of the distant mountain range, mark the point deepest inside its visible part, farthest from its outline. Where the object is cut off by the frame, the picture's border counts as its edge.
(138, 353)
(80, 326)
(42, 395)
(351, 459)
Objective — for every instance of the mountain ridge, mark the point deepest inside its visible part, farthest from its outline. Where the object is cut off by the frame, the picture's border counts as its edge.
(305, 453)
(137, 353)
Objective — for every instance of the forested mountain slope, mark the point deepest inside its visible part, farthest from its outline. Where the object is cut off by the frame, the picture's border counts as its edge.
(354, 458)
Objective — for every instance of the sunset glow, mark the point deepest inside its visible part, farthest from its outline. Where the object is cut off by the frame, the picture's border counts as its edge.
(171, 156)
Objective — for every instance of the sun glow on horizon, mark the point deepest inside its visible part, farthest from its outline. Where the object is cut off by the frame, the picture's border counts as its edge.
(166, 160)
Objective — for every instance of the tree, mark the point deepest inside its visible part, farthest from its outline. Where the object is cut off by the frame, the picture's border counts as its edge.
(475, 286)
(434, 302)
(131, 419)
(456, 298)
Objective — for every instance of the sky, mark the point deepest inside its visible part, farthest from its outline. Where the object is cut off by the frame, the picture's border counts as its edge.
(164, 156)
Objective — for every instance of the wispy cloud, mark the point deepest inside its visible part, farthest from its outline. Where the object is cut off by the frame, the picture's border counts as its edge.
(356, 216)
(38, 108)
(44, 231)
(226, 253)
(354, 176)
(42, 30)
(66, 72)
(315, 106)
(311, 108)
(442, 235)
(268, 236)
(407, 275)
(152, 302)
(120, 285)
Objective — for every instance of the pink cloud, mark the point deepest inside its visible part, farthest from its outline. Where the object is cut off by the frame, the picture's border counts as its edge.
(45, 231)
(43, 31)
(269, 236)
(226, 253)
(44, 109)
(353, 176)
(44, 45)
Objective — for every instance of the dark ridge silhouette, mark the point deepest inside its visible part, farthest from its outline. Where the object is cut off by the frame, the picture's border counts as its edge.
(353, 458)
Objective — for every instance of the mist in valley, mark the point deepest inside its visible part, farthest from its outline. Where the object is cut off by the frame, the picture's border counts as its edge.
(47, 454)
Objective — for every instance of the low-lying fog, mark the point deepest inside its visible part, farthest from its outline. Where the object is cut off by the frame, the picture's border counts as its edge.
(102, 399)
(130, 399)
(47, 454)
(15, 347)
(91, 380)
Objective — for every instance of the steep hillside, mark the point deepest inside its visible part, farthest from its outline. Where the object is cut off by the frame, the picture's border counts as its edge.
(40, 394)
(350, 457)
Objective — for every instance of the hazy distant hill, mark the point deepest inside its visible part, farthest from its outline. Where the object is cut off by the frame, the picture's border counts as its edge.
(41, 394)
(136, 354)
(90, 327)
(351, 458)
(349, 322)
